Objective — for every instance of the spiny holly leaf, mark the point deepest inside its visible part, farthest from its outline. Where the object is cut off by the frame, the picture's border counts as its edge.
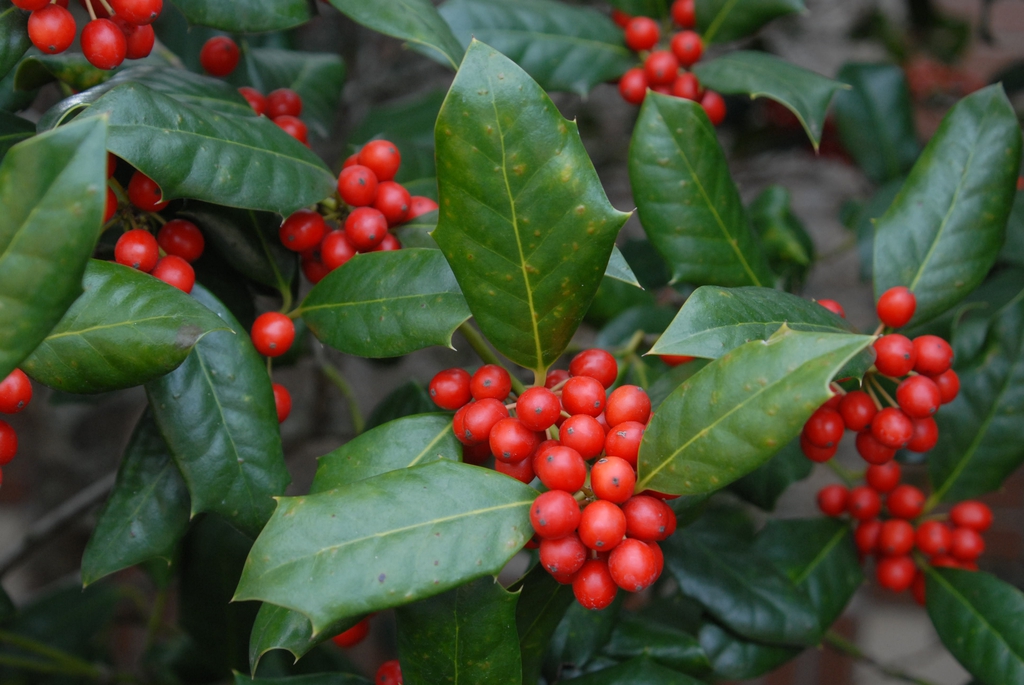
(688, 204)
(739, 410)
(542, 603)
(619, 269)
(71, 68)
(944, 230)
(395, 445)
(978, 618)
(235, 161)
(524, 221)
(317, 77)
(309, 679)
(639, 671)
(13, 36)
(667, 645)
(466, 635)
(147, 513)
(763, 486)
(279, 628)
(127, 328)
(400, 536)
(758, 74)
(13, 130)
(217, 413)
(52, 192)
(1013, 248)
(246, 16)
(414, 21)
(720, 21)
(734, 658)
(579, 637)
(385, 304)
(562, 47)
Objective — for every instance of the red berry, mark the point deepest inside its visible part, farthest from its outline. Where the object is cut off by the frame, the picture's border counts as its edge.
(357, 186)
(863, 503)
(857, 409)
(490, 380)
(560, 468)
(389, 673)
(714, 106)
(892, 428)
(365, 228)
(138, 12)
(255, 98)
(477, 454)
(382, 157)
(926, 435)
(272, 334)
(30, 5)
(336, 249)
(15, 392)
(633, 565)
(685, 86)
(627, 403)
(866, 535)
(966, 544)
(948, 384)
(314, 269)
(623, 441)
(139, 40)
(138, 249)
(815, 453)
(642, 33)
(684, 13)
(594, 586)
(824, 428)
(283, 101)
(175, 271)
(182, 238)
(833, 307)
(389, 244)
(511, 441)
(896, 573)
(602, 525)
(620, 18)
(945, 561)
(293, 126)
(522, 471)
(110, 209)
(832, 499)
(597, 364)
(555, 514)
(648, 518)
(392, 201)
(144, 193)
(917, 588)
(934, 355)
(450, 388)
(894, 355)
(661, 67)
(872, 451)
(584, 434)
(103, 44)
(302, 230)
(687, 47)
(633, 86)
(883, 477)
(538, 408)
(896, 307)
(282, 402)
(555, 377)
(583, 395)
(658, 555)
(354, 635)
(612, 479)
(52, 29)
(971, 514)
(419, 205)
(8, 443)
(896, 538)
(480, 418)
(905, 502)
(933, 537)
(564, 555)
(918, 396)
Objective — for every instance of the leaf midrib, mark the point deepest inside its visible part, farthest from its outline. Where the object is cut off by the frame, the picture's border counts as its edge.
(390, 298)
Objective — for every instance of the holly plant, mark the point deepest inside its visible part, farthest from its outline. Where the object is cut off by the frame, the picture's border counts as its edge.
(592, 512)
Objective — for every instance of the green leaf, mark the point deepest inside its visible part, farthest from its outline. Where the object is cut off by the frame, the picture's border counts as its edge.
(217, 413)
(279, 628)
(876, 120)
(664, 644)
(14, 100)
(246, 16)
(385, 304)
(409, 120)
(688, 204)
(579, 637)
(69, 619)
(71, 68)
(234, 161)
(980, 437)
(308, 679)
(1013, 248)
(618, 268)
(640, 671)
(764, 485)
(720, 21)
(977, 617)
(649, 319)
(739, 410)
(787, 245)
(408, 399)
(542, 603)
(395, 445)
(941, 235)
(52, 191)
(248, 241)
(13, 130)
(466, 635)
(400, 536)
(758, 74)
(668, 382)
(317, 77)
(147, 513)
(524, 221)
(734, 658)
(864, 224)
(414, 21)
(416, 233)
(561, 47)
(127, 328)
(13, 36)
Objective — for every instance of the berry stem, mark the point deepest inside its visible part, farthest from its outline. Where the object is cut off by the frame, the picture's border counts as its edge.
(480, 346)
(92, 12)
(881, 390)
(841, 644)
(874, 398)
(334, 376)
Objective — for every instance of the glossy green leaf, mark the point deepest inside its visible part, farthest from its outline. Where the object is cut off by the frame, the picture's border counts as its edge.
(248, 241)
(52, 193)
(14, 100)
(688, 204)
(640, 671)
(524, 221)
(619, 269)
(876, 120)
(246, 16)
(579, 637)
(740, 587)
(385, 304)
(147, 512)
(645, 8)
(400, 536)
(864, 224)
(127, 328)
(668, 382)
(411, 120)
(758, 74)
(734, 658)
(787, 245)
(13, 36)
(1013, 248)
(416, 233)
(234, 161)
(414, 21)
(543, 602)
(13, 130)
(978, 618)
(560, 46)
(666, 645)
(308, 679)
(719, 21)
(408, 399)
(317, 77)
(739, 410)
(651, 320)
(71, 68)
(217, 414)
(280, 628)
(395, 445)
(980, 432)
(764, 485)
(941, 235)
(466, 635)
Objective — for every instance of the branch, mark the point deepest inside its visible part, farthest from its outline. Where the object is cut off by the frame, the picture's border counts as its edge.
(332, 374)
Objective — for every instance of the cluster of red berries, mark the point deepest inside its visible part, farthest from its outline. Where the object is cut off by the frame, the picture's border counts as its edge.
(119, 29)
(920, 370)
(390, 672)
(371, 203)
(282, 106)
(612, 542)
(15, 394)
(664, 70)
